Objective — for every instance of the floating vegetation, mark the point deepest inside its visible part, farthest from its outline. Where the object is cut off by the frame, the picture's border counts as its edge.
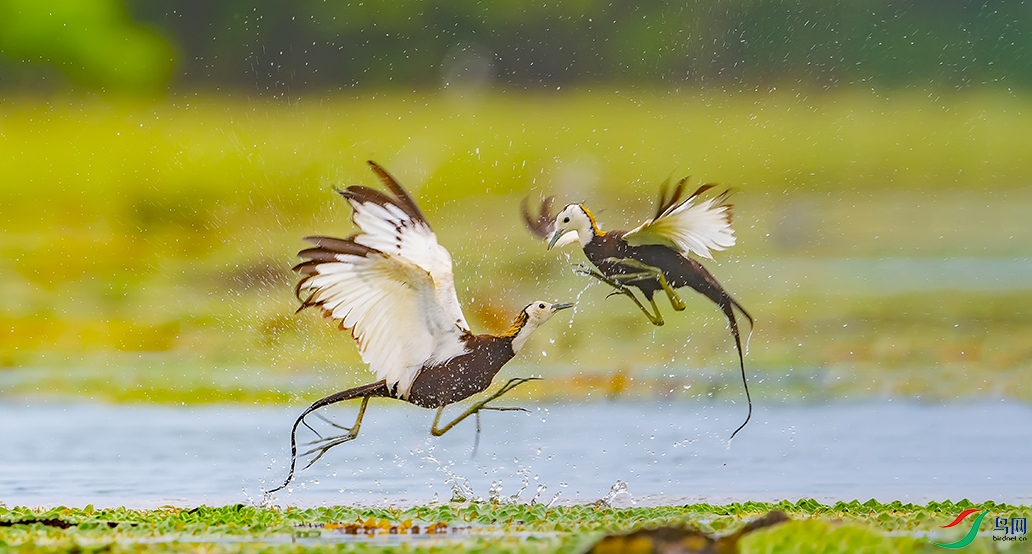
(474, 527)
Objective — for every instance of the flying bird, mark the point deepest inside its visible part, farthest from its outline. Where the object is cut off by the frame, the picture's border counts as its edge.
(654, 256)
(391, 285)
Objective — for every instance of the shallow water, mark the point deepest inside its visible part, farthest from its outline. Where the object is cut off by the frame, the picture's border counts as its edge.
(146, 456)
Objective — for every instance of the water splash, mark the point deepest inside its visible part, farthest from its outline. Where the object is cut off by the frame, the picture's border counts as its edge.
(537, 494)
(524, 474)
(267, 499)
(618, 489)
(494, 493)
(576, 303)
(253, 502)
(462, 491)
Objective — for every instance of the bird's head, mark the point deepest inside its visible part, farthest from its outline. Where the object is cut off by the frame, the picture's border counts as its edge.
(540, 311)
(574, 223)
(536, 313)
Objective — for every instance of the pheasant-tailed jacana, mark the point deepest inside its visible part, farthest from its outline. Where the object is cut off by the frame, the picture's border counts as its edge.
(391, 285)
(653, 256)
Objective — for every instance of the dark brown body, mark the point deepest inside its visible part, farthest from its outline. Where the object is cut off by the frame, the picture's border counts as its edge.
(439, 385)
(680, 271)
(462, 376)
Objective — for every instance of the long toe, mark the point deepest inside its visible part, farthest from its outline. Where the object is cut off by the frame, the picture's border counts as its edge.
(505, 409)
(323, 445)
(331, 441)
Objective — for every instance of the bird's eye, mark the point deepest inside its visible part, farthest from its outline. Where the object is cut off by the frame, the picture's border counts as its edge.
(566, 220)
(541, 306)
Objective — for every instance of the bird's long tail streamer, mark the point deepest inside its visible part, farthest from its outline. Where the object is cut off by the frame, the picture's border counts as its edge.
(728, 308)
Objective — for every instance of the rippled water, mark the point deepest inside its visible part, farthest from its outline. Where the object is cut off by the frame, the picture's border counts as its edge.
(145, 456)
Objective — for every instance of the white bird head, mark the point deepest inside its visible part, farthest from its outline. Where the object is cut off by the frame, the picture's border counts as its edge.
(574, 223)
(536, 313)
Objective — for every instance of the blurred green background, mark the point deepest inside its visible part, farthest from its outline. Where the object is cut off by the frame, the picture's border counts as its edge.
(159, 165)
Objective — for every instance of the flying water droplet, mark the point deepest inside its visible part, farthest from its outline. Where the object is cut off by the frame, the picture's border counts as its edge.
(576, 304)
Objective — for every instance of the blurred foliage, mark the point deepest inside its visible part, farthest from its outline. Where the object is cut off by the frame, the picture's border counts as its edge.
(280, 47)
(286, 47)
(92, 42)
(488, 526)
(146, 247)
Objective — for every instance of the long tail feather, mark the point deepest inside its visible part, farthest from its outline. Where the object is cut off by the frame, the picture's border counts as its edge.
(378, 388)
(729, 312)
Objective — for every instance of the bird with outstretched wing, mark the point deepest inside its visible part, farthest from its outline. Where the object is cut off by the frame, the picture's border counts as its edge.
(391, 285)
(656, 255)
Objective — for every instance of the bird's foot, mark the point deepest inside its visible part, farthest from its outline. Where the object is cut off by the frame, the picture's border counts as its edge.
(508, 386)
(588, 271)
(324, 445)
(479, 406)
(330, 422)
(504, 409)
(511, 384)
(646, 271)
(620, 289)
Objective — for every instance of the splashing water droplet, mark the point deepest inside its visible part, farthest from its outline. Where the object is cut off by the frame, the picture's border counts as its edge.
(618, 489)
(576, 304)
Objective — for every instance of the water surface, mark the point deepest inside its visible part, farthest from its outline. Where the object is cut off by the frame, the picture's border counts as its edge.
(146, 456)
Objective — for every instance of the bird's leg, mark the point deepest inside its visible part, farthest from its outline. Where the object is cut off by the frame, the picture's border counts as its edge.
(482, 405)
(655, 273)
(476, 439)
(616, 282)
(655, 317)
(323, 445)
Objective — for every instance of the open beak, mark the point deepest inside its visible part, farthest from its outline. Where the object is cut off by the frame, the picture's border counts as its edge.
(555, 237)
(563, 306)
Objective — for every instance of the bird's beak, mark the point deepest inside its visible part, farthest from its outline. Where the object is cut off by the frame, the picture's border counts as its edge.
(555, 237)
(563, 306)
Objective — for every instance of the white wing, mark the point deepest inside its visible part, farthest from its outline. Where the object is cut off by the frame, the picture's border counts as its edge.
(396, 226)
(693, 225)
(391, 285)
(389, 303)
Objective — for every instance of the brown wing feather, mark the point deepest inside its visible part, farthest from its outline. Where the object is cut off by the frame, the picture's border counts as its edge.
(339, 246)
(542, 225)
(363, 195)
(404, 201)
(668, 203)
(325, 251)
(702, 189)
(721, 199)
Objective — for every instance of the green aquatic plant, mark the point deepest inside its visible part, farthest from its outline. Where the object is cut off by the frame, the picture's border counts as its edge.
(477, 527)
